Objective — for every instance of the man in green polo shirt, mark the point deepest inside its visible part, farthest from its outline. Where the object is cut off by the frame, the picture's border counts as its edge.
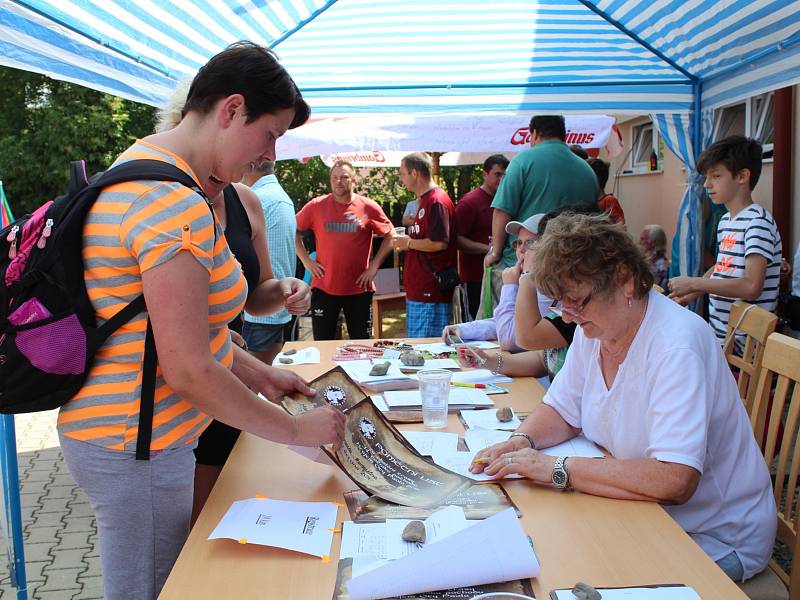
(546, 176)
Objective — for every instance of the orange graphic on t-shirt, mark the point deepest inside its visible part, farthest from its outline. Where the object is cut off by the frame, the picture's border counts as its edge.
(724, 264)
(728, 242)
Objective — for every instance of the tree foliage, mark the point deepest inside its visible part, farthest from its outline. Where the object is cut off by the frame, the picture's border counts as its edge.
(45, 124)
(306, 180)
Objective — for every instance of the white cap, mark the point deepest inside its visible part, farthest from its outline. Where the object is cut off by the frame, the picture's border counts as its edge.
(531, 224)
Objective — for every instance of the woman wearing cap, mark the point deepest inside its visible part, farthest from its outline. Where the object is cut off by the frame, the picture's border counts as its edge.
(161, 239)
(500, 326)
(645, 379)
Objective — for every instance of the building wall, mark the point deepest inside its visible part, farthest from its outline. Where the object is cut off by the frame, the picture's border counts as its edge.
(654, 197)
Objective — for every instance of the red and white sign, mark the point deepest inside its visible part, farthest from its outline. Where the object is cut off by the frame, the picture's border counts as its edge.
(384, 139)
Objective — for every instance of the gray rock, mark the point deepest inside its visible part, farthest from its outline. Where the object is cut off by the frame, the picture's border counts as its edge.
(414, 532)
(290, 351)
(411, 358)
(379, 369)
(583, 591)
(505, 414)
(285, 361)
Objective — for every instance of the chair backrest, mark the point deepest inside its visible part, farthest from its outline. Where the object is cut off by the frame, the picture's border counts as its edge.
(756, 324)
(777, 404)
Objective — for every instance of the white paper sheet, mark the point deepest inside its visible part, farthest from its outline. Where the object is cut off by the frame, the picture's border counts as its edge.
(487, 419)
(363, 539)
(478, 439)
(439, 525)
(459, 462)
(303, 356)
(458, 397)
(441, 347)
(657, 593)
(430, 363)
(479, 376)
(301, 526)
(379, 403)
(358, 370)
(577, 446)
(428, 442)
(495, 549)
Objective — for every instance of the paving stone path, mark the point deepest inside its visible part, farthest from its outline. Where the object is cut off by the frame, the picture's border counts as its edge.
(61, 554)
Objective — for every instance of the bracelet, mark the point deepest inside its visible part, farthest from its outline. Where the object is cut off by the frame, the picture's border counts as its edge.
(499, 369)
(526, 436)
(408, 244)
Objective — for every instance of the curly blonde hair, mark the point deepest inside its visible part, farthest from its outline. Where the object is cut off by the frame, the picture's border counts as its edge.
(171, 113)
(591, 249)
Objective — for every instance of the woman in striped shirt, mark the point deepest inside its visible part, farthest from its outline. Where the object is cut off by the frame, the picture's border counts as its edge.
(161, 239)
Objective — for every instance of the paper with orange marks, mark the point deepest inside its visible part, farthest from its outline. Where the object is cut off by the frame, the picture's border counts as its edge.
(299, 526)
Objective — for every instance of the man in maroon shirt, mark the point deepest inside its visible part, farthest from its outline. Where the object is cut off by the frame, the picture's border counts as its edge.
(430, 247)
(474, 225)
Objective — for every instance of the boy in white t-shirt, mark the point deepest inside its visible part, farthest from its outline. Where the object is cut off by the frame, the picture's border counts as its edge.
(749, 254)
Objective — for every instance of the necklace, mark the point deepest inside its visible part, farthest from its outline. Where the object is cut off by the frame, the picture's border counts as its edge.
(618, 355)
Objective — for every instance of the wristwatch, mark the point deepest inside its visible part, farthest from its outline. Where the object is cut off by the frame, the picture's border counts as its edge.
(560, 476)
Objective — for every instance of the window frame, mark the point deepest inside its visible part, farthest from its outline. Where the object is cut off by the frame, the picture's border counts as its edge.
(644, 167)
(750, 115)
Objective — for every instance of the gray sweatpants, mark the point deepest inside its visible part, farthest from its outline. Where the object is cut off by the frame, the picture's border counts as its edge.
(142, 509)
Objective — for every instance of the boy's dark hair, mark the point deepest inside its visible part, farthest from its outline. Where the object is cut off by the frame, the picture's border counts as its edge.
(549, 126)
(735, 153)
(254, 72)
(573, 209)
(600, 168)
(495, 159)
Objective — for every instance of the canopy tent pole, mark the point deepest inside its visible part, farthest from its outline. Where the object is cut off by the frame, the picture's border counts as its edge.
(13, 514)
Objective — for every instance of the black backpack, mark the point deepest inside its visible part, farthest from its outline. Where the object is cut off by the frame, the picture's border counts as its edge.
(48, 330)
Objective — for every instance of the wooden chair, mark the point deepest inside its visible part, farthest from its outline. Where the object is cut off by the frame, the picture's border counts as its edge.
(780, 411)
(757, 324)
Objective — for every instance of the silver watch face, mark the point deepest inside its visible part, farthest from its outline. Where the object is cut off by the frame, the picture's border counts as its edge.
(560, 478)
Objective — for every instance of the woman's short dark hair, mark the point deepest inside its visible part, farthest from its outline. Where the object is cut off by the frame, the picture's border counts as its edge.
(254, 72)
(588, 249)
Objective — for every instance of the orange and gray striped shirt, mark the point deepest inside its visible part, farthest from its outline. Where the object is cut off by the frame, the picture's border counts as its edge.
(132, 227)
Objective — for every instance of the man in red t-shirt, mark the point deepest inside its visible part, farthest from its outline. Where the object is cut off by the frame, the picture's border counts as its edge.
(474, 225)
(343, 224)
(430, 247)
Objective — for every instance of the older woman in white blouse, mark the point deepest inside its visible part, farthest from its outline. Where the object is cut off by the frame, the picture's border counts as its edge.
(645, 379)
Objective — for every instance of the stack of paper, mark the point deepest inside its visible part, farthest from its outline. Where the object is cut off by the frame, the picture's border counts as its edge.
(358, 371)
(459, 398)
(488, 551)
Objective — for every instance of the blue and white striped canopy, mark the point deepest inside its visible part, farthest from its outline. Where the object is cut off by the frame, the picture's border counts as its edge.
(419, 56)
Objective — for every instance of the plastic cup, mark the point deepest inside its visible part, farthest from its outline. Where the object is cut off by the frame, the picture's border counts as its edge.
(399, 230)
(434, 388)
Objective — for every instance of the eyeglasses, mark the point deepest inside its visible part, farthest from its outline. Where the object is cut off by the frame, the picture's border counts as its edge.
(528, 244)
(573, 307)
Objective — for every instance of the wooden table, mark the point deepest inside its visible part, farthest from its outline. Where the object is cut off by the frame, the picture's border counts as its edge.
(382, 302)
(577, 537)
